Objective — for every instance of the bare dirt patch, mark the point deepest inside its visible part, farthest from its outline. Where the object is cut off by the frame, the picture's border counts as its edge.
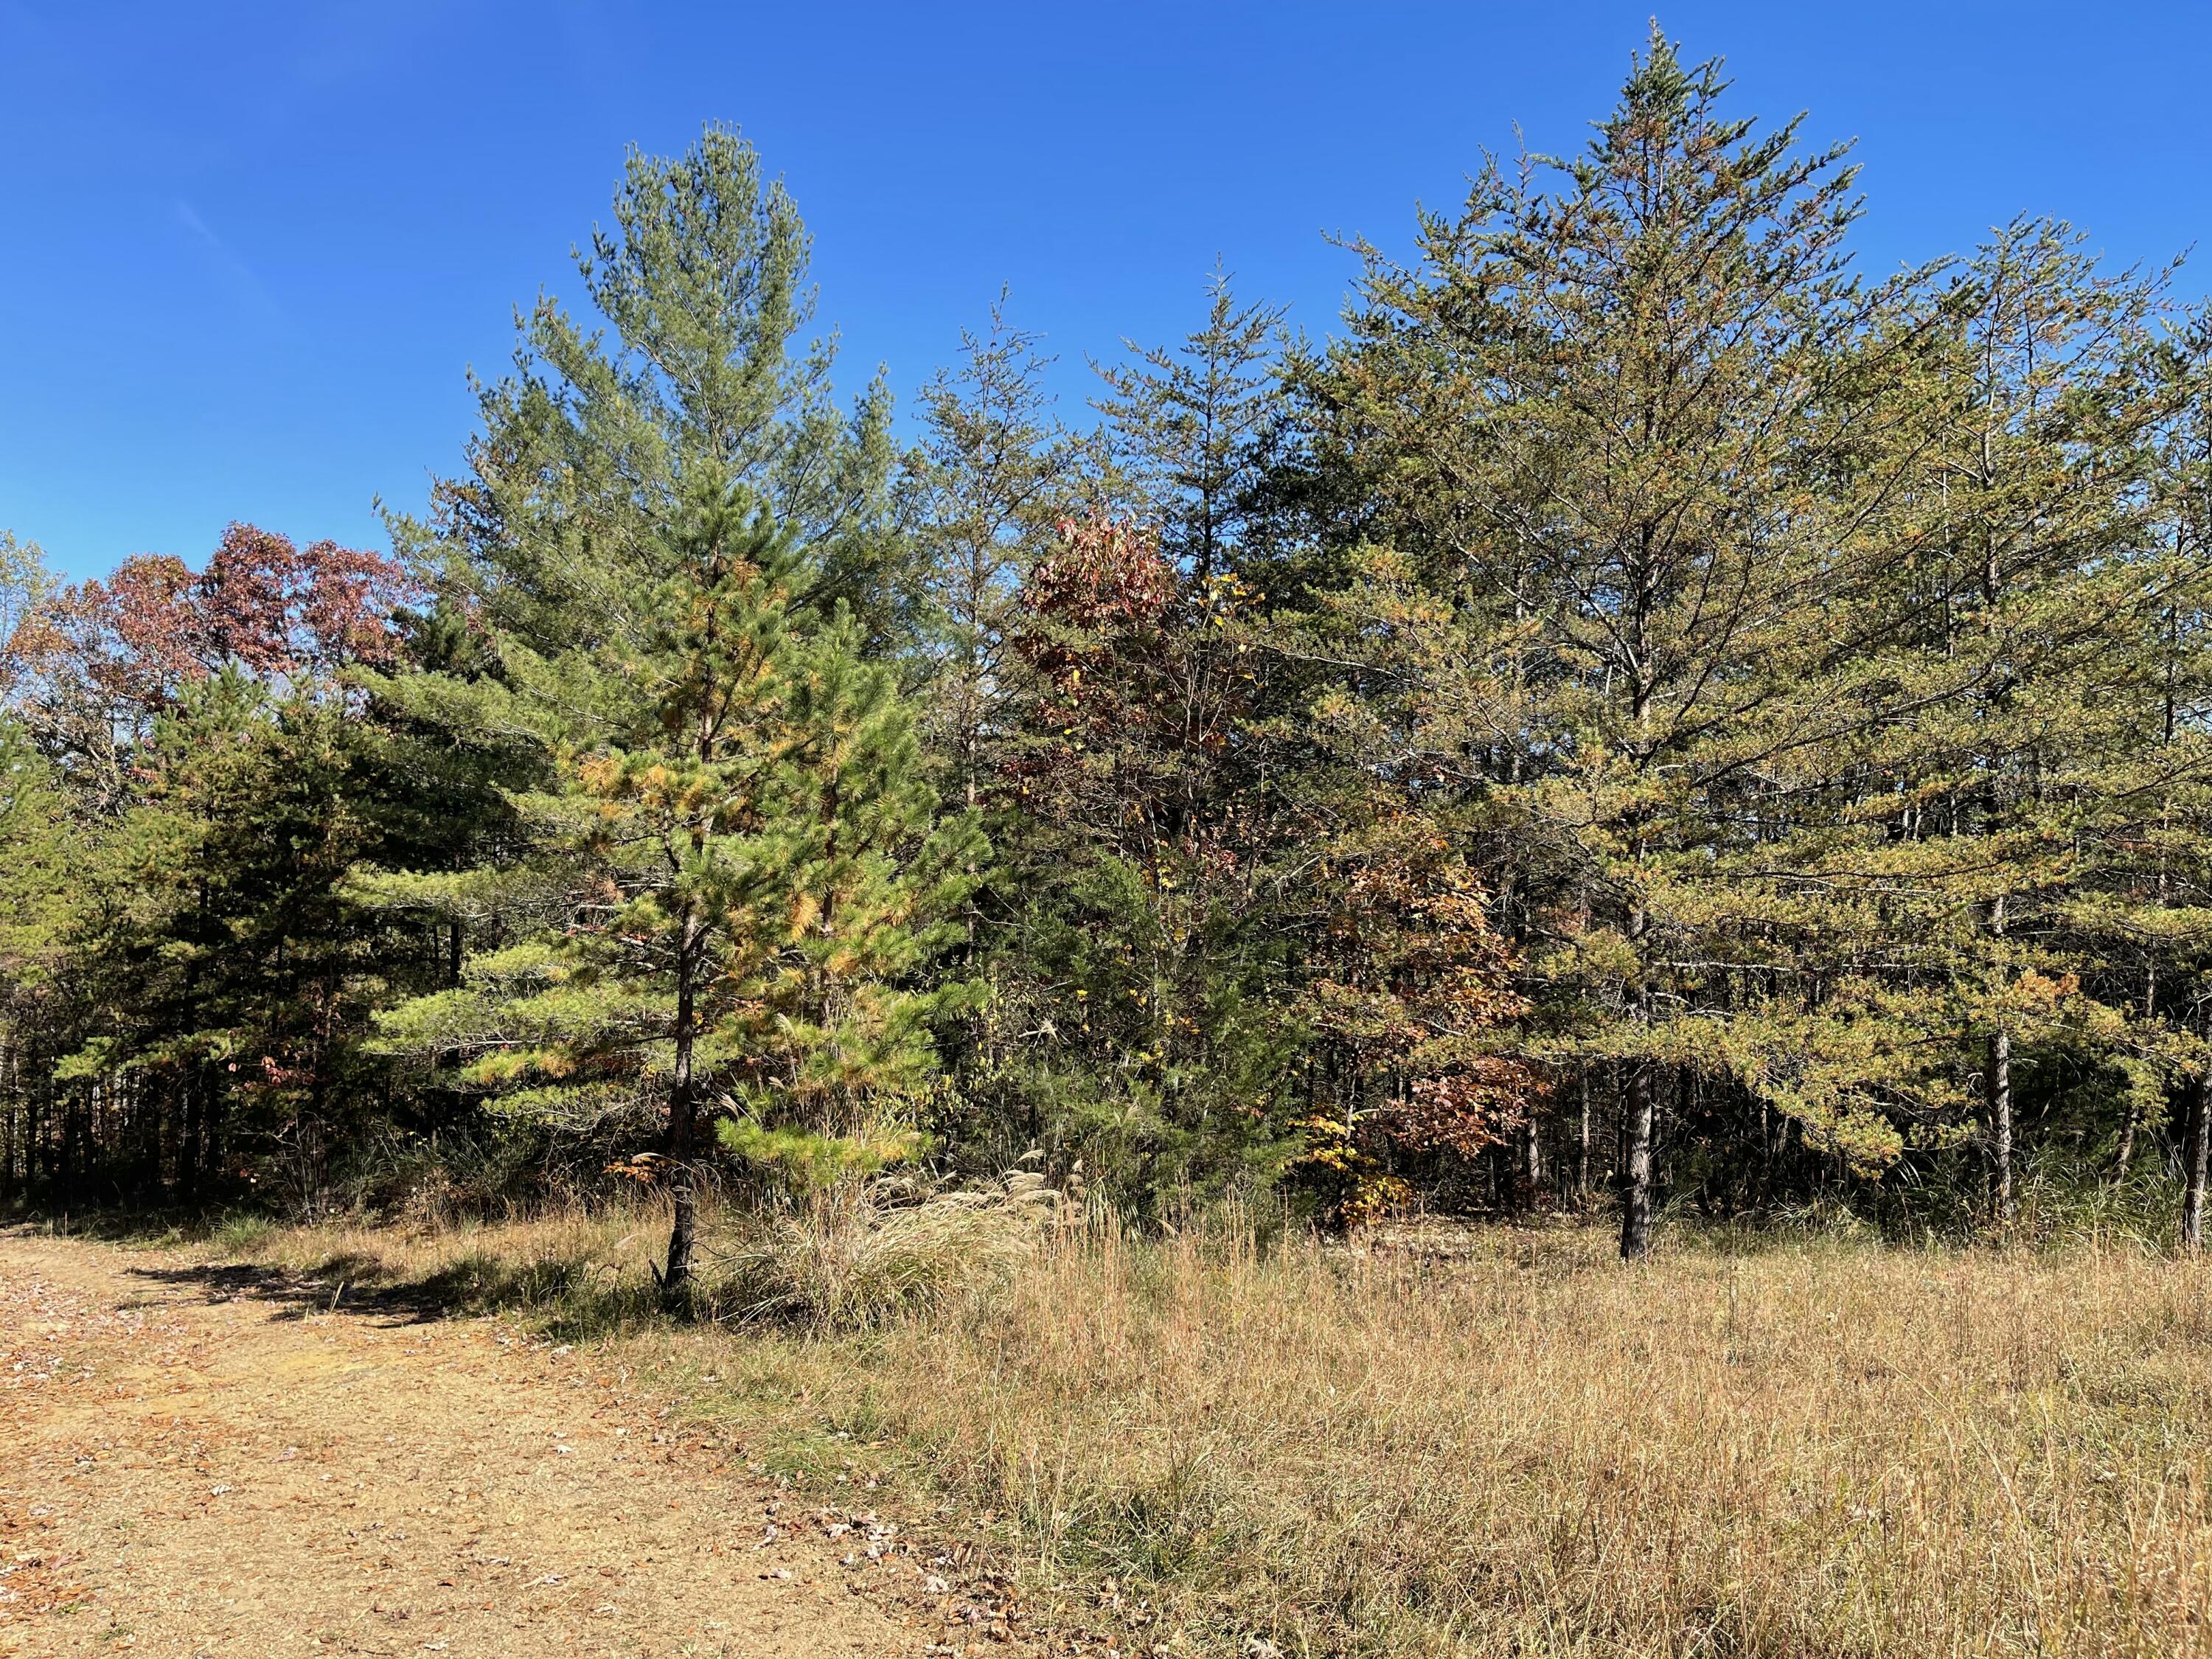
(201, 1460)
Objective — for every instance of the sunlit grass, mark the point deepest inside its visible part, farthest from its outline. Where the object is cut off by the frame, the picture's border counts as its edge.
(1813, 1450)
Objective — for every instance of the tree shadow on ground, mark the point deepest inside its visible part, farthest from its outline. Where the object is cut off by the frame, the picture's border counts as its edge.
(572, 1299)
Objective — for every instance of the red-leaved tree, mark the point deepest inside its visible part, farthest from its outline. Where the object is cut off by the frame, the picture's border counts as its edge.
(98, 660)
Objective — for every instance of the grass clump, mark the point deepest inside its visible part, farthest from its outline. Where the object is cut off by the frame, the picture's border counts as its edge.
(241, 1234)
(858, 1256)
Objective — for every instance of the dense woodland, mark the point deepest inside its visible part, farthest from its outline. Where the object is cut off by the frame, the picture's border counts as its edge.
(1642, 714)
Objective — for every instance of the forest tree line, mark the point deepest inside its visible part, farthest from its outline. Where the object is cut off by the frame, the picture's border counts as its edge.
(1641, 714)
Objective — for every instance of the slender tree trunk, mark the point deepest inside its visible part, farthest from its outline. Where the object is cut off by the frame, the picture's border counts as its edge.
(2196, 1134)
(7, 1114)
(2133, 1123)
(1582, 1147)
(193, 1113)
(2130, 1127)
(1766, 1155)
(683, 1110)
(1636, 1179)
(2001, 1122)
(213, 1107)
(188, 1138)
(18, 1108)
(682, 1172)
(2000, 1095)
(1637, 1120)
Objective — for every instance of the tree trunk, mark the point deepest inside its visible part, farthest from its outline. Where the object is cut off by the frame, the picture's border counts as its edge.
(1637, 1102)
(2000, 1095)
(1583, 1148)
(213, 1108)
(2001, 1122)
(676, 1280)
(1636, 1178)
(188, 1134)
(2194, 1148)
(10, 1121)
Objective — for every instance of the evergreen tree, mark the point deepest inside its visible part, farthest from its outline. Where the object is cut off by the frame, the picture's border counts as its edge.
(585, 452)
(736, 873)
(1590, 422)
(674, 551)
(1186, 426)
(199, 979)
(993, 478)
(2031, 592)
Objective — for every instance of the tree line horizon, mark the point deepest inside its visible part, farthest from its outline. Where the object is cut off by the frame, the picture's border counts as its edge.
(1640, 716)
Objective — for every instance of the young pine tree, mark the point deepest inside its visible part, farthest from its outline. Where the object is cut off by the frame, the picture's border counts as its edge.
(1185, 427)
(668, 559)
(993, 475)
(735, 875)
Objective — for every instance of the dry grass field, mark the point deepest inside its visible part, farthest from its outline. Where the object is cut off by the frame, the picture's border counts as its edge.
(1810, 1448)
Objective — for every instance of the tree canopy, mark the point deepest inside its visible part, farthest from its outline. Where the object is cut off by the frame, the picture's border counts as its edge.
(1638, 715)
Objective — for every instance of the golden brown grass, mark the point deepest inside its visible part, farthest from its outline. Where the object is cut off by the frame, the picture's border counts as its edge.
(1817, 1450)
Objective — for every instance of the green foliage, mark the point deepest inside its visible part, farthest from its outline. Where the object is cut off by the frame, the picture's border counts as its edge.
(733, 866)
(1642, 705)
(724, 877)
(808, 1162)
(588, 452)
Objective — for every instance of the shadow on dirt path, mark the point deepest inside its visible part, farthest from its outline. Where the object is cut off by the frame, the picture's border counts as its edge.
(347, 1285)
(210, 1459)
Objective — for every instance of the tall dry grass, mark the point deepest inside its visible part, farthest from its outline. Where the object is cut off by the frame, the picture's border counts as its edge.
(859, 1257)
(851, 1260)
(587, 1272)
(1815, 1450)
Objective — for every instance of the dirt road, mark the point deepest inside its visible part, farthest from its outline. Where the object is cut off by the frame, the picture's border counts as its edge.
(209, 1461)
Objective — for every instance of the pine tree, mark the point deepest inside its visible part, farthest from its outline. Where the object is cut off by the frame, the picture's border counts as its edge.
(738, 874)
(1588, 424)
(2132, 920)
(199, 979)
(1186, 426)
(675, 550)
(993, 475)
(2037, 562)
(221, 977)
(586, 450)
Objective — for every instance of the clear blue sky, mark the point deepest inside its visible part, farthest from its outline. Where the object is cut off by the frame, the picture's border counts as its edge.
(251, 248)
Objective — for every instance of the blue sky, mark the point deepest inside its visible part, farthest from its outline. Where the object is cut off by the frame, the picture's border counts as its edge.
(252, 249)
